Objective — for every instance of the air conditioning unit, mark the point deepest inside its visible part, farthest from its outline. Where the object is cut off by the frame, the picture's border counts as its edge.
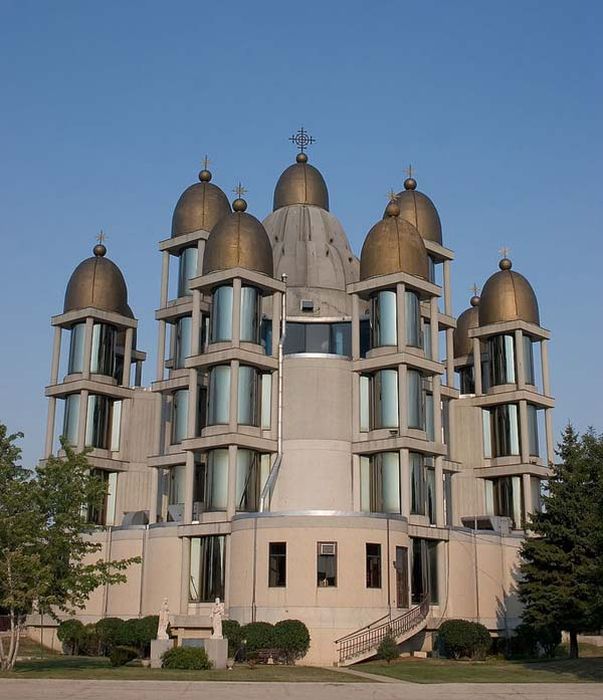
(327, 548)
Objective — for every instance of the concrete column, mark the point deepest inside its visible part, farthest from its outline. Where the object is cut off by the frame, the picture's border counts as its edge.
(437, 408)
(548, 425)
(82, 418)
(449, 357)
(520, 363)
(405, 482)
(439, 491)
(527, 495)
(87, 348)
(234, 396)
(50, 422)
(232, 481)
(193, 403)
(56, 355)
(355, 328)
(165, 279)
(161, 351)
(189, 484)
(355, 505)
(155, 475)
(195, 348)
(200, 254)
(524, 444)
(544, 362)
(401, 316)
(447, 289)
(434, 329)
(125, 380)
(276, 322)
(402, 399)
(236, 312)
(185, 576)
(355, 405)
(477, 366)
(159, 427)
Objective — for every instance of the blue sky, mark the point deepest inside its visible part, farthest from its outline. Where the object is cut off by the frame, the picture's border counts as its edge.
(107, 109)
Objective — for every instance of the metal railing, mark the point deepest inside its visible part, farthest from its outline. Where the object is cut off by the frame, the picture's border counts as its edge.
(368, 638)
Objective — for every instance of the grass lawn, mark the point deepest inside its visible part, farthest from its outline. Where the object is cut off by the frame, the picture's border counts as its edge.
(490, 671)
(53, 665)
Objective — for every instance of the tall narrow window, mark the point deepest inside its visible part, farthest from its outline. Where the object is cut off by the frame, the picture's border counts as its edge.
(266, 401)
(487, 432)
(250, 479)
(467, 380)
(116, 426)
(218, 412)
(217, 479)
(380, 483)
(430, 504)
(98, 421)
(248, 407)
(187, 270)
(76, 349)
(104, 514)
(179, 416)
(533, 440)
(326, 564)
(373, 565)
(365, 398)
(182, 341)
(250, 314)
(413, 319)
(424, 570)
(505, 423)
(102, 358)
(71, 418)
(385, 398)
(384, 319)
(221, 314)
(277, 564)
(207, 568)
(417, 484)
(429, 417)
(528, 360)
(414, 384)
(427, 347)
(508, 499)
(502, 359)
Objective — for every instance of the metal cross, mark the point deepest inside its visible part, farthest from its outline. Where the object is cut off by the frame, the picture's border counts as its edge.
(206, 162)
(475, 289)
(408, 170)
(239, 190)
(392, 196)
(504, 251)
(302, 139)
(101, 237)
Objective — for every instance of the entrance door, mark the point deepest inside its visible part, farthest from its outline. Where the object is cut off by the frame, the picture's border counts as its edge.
(402, 577)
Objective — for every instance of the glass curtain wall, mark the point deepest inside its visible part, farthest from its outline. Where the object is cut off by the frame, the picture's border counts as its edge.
(413, 319)
(179, 416)
(76, 348)
(71, 418)
(380, 483)
(502, 359)
(207, 568)
(251, 304)
(217, 479)
(187, 269)
(218, 412)
(385, 399)
(384, 316)
(221, 314)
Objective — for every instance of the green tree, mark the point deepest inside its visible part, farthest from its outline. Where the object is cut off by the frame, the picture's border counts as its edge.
(561, 560)
(46, 555)
(388, 649)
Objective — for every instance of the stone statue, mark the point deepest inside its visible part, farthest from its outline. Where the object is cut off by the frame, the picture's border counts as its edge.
(164, 620)
(217, 613)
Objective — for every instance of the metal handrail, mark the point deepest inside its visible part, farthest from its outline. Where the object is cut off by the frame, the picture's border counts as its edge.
(369, 637)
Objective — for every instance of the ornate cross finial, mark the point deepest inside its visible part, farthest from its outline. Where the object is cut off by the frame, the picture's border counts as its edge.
(101, 237)
(504, 251)
(239, 190)
(206, 162)
(392, 196)
(408, 170)
(302, 139)
(475, 289)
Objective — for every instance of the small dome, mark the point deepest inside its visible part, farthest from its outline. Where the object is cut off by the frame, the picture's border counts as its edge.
(508, 296)
(200, 207)
(420, 211)
(462, 343)
(301, 183)
(97, 282)
(393, 245)
(238, 240)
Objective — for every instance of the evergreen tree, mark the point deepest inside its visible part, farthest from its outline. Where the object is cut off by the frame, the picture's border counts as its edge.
(559, 584)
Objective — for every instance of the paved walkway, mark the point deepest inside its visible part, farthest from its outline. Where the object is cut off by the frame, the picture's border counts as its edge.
(181, 690)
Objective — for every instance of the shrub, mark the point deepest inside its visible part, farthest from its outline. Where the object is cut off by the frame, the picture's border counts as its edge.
(291, 637)
(388, 649)
(110, 631)
(529, 641)
(233, 632)
(259, 635)
(188, 658)
(90, 644)
(72, 633)
(120, 655)
(462, 638)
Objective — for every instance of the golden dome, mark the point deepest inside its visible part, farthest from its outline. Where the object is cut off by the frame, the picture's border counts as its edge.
(301, 183)
(508, 296)
(238, 240)
(393, 245)
(462, 343)
(200, 207)
(420, 211)
(97, 282)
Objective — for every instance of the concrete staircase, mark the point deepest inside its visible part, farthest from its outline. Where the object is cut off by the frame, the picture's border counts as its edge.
(363, 643)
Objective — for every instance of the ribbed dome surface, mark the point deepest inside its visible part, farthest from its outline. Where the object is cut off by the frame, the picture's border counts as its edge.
(462, 343)
(420, 211)
(310, 246)
(97, 282)
(200, 207)
(301, 183)
(238, 240)
(508, 296)
(393, 245)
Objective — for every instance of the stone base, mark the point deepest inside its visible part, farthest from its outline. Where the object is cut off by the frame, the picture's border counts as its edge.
(158, 647)
(217, 651)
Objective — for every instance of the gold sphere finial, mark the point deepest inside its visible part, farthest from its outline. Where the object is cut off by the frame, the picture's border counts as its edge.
(393, 208)
(205, 174)
(474, 301)
(505, 264)
(301, 157)
(410, 183)
(239, 203)
(100, 249)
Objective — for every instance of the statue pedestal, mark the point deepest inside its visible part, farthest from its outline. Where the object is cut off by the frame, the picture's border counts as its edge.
(158, 647)
(217, 651)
